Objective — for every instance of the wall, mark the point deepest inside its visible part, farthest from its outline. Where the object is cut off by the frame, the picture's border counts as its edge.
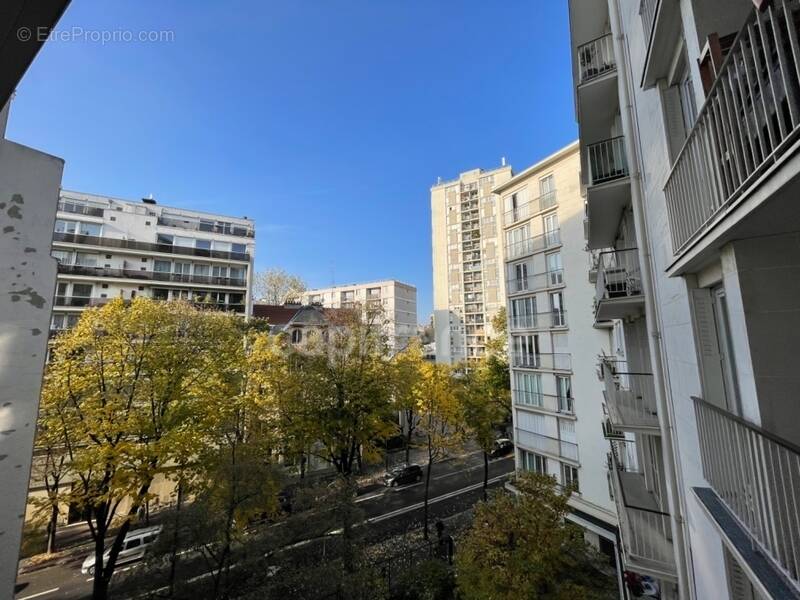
(29, 184)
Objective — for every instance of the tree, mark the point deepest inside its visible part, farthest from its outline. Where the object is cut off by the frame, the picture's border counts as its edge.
(128, 377)
(440, 419)
(406, 371)
(519, 546)
(276, 286)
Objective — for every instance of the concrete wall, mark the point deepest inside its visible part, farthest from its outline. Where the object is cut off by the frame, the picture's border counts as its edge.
(29, 184)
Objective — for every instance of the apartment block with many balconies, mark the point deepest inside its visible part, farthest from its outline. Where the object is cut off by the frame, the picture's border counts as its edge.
(553, 343)
(689, 117)
(396, 301)
(468, 282)
(110, 248)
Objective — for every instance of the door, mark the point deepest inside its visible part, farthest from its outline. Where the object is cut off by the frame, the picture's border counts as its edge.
(727, 360)
(708, 350)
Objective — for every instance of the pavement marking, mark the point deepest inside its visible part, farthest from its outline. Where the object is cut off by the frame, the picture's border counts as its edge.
(39, 594)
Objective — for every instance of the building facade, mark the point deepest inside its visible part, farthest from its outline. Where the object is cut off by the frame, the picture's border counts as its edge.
(109, 248)
(689, 118)
(397, 301)
(553, 342)
(467, 247)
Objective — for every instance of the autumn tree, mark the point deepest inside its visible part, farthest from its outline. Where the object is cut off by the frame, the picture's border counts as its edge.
(276, 286)
(440, 419)
(519, 546)
(405, 372)
(128, 376)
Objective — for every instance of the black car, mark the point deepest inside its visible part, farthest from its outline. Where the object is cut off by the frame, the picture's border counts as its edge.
(402, 474)
(502, 447)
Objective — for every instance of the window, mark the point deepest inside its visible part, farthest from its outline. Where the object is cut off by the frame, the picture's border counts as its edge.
(202, 244)
(564, 394)
(551, 233)
(237, 273)
(65, 258)
(528, 388)
(86, 260)
(82, 290)
(92, 229)
(557, 312)
(63, 226)
(555, 272)
(160, 294)
(162, 266)
(526, 348)
(534, 462)
(239, 248)
(569, 477)
(134, 543)
(297, 336)
(523, 312)
(547, 196)
(183, 268)
(201, 270)
(163, 238)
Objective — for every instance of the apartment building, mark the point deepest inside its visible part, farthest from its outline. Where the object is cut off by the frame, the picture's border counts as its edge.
(553, 342)
(468, 285)
(689, 113)
(396, 300)
(110, 248)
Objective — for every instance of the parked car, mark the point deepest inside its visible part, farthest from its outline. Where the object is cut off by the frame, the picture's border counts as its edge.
(502, 447)
(402, 474)
(134, 547)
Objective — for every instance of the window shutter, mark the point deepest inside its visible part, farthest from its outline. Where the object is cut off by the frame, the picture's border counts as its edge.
(739, 584)
(705, 332)
(673, 119)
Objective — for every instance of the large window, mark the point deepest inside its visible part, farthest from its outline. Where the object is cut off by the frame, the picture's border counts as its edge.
(534, 462)
(64, 226)
(564, 394)
(526, 348)
(569, 477)
(528, 388)
(557, 309)
(551, 233)
(555, 273)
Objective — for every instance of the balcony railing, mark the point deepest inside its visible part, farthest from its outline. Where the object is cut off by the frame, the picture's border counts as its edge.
(757, 476)
(536, 282)
(618, 274)
(646, 529)
(532, 207)
(548, 402)
(630, 398)
(76, 301)
(748, 121)
(90, 271)
(533, 244)
(222, 228)
(76, 238)
(547, 444)
(607, 160)
(541, 320)
(596, 58)
(553, 362)
(79, 209)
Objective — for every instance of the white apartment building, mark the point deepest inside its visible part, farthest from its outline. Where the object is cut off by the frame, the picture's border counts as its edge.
(553, 342)
(468, 285)
(110, 248)
(398, 302)
(689, 118)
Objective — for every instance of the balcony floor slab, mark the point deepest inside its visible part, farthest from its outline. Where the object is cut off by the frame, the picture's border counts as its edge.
(605, 205)
(619, 308)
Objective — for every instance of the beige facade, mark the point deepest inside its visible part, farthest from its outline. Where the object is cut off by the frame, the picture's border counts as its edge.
(397, 300)
(468, 281)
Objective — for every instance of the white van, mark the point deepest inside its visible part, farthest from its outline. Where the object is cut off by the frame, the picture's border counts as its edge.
(133, 548)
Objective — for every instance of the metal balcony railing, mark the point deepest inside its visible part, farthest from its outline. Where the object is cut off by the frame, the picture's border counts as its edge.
(596, 58)
(536, 282)
(757, 476)
(77, 238)
(554, 362)
(618, 274)
(532, 207)
(630, 398)
(645, 529)
(533, 244)
(750, 118)
(555, 404)
(223, 228)
(540, 320)
(79, 209)
(544, 443)
(648, 10)
(74, 301)
(93, 271)
(607, 160)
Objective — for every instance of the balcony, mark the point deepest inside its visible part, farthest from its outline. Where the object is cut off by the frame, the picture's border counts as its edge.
(746, 128)
(79, 209)
(618, 289)
(596, 58)
(608, 192)
(536, 282)
(530, 208)
(537, 401)
(93, 271)
(550, 362)
(645, 528)
(103, 242)
(661, 23)
(630, 399)
(537, 243)
(223, 228)
(541, 320)
(537, 442)
(755, 487)
(75, 301)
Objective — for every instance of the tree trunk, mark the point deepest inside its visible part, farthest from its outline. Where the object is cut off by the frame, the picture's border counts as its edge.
(408, 438)
(51, 529)
(427, 489)
(173, 559)
(485, 476)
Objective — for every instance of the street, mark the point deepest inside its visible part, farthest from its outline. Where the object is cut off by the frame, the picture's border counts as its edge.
(455, 486)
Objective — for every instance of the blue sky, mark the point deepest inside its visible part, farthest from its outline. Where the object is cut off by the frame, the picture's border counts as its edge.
(326, 121)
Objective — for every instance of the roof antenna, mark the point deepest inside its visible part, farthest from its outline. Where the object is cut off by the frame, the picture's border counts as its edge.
(502, 161)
